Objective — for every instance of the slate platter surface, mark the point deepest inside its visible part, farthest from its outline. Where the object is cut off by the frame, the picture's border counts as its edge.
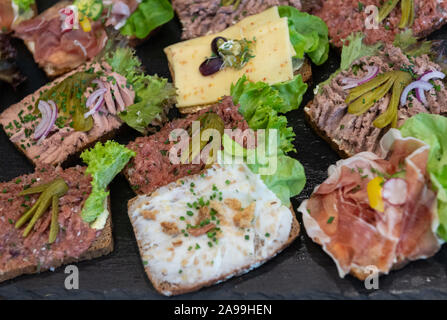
(302, 271)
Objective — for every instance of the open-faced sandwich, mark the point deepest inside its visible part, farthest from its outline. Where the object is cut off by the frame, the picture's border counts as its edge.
(383, 24)
(71, 33)
(377, 213)
(377, 87)
(89, 104)
(53, 216)
(13, 12)
(272, 47)
(199, 221)
(203, 17)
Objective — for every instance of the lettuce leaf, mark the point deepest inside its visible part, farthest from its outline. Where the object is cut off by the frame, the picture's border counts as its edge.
(149, 15)
(410, 44)
(153, 96)
(354, 50)
(286, 182)
(94, 205)
(24, 5)
(152, 93)
(260, 104)
(432, 129)
(104, 163)
(308, 34)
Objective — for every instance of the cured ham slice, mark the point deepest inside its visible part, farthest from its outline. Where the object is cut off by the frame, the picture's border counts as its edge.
(60, 50)
(359, 238)
(6, 14)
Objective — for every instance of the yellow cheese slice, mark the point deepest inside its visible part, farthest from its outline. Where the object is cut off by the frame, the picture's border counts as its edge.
(272, 62)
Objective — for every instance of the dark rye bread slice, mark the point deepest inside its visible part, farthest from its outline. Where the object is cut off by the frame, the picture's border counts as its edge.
(102, 246)
(305, 71)
(336, 145)
(162, 286)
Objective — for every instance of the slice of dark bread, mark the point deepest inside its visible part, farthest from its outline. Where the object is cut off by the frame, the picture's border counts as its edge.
(164, 287)
(103, 245)
(333, 143)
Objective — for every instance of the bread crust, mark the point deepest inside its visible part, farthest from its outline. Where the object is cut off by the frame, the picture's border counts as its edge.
(102, 245)
(169, 289)
(333, 143)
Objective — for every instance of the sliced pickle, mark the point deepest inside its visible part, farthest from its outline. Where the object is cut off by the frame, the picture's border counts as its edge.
(207, 121)
(366, 101)
(386, 9)
(51, 192)
(54, 227)
(407, 14)
(68, 96)
(403, 79)
(368, 86)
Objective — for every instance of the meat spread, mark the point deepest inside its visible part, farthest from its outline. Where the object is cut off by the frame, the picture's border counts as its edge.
(75, 235)
(151, 167)
(353, 133)
(346, 16)
(207, 17)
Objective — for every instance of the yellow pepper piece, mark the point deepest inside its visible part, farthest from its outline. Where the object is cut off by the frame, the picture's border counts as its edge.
(374, 189)
(85, 24)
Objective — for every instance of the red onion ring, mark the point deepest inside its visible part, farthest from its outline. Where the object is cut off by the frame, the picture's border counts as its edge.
(423, 85)
(427, 76)
(49, 116)
(45, 110)
(99, 83)
(350, 83)
(96, 99)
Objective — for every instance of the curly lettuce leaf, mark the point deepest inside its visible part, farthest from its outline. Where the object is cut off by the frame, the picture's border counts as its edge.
(260, 104)
(352, 51)
(24, 5)
(94, 205)
(104, 162)
(286, 182)
(410, 44)
(149, 15)
(152, 93)
(308, 34)
(432, 129)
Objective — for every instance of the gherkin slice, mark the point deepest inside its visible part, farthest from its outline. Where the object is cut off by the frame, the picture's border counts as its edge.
(366, 101)
(368, 86)
(386, 9)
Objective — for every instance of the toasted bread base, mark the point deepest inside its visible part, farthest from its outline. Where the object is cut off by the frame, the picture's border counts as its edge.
(305, 71)
(333, 143)
(103, 245)
(164, 287)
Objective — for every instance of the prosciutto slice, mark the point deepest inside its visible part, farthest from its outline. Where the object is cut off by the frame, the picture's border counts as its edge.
(360, 239)
(64, 50)
(6, 15)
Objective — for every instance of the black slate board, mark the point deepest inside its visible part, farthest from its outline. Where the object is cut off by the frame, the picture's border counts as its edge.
(302, 271)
